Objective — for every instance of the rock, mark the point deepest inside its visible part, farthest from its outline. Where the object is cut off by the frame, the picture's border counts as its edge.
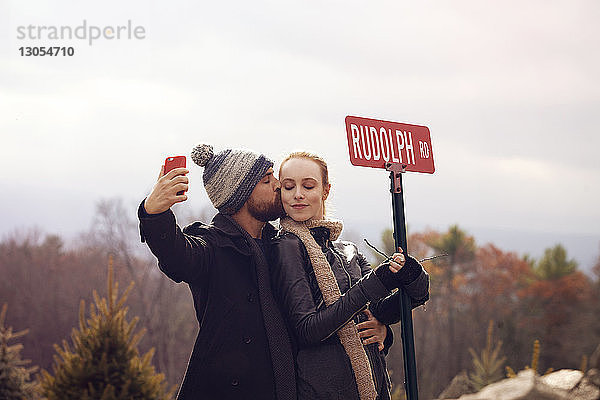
(460, 385)
(525, 386)
(565, 379)
(593, 375)
(588, 387)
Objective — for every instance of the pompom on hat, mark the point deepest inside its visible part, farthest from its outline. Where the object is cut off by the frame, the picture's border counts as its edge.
(230, 175)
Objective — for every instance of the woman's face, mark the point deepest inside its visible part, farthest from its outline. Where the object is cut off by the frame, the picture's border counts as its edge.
(302, 192)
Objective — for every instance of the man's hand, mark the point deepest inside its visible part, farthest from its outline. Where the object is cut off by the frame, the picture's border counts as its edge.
(373, 330)
(164, 193)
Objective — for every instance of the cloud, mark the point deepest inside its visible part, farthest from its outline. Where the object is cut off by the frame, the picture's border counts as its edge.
(510, 92)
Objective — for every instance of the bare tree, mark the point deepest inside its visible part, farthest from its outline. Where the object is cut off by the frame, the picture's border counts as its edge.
(164, 307)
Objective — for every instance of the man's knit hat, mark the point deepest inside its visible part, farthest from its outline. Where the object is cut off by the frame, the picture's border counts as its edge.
(230, 176)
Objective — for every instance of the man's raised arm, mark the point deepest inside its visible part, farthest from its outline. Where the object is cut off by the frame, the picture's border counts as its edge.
(181, 257)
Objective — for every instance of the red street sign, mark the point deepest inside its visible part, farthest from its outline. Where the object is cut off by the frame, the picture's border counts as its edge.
(373, 143)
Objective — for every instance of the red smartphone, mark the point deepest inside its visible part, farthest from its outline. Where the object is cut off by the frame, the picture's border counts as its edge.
(174, 162)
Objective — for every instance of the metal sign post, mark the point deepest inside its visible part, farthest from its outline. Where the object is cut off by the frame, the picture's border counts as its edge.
(408, 340)
(397, 148)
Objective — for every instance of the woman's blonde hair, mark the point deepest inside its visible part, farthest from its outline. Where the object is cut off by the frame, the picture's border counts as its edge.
(320, 162)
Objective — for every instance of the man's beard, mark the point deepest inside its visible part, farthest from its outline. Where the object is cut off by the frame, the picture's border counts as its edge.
(264, 211)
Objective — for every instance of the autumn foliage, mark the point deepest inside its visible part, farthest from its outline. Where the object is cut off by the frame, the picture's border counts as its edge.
(548, 299)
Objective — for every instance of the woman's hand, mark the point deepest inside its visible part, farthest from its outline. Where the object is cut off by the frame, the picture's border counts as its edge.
(373, 330)
(397, 261)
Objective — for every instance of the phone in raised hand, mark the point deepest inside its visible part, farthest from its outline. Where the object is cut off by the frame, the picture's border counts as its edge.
(174, 162)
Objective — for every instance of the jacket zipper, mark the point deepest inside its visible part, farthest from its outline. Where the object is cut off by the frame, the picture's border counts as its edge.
(339, 258)
(343, 266)
(349, 286)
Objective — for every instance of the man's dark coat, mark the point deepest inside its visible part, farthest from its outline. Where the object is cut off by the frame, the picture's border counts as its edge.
(231, 357)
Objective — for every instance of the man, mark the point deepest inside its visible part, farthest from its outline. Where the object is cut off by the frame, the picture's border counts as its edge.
(242, 350)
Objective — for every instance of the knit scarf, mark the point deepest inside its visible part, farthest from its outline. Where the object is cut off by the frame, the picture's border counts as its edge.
(277, 334)
(328, 285)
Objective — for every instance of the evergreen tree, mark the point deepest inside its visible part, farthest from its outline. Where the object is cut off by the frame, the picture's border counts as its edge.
(488, 365)
(15, 380)
(103, 361)
(554, 264)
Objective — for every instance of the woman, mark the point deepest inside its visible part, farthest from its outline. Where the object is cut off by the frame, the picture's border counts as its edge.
(323, 285)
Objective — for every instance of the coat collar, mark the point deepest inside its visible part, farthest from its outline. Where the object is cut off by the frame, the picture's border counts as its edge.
(332, 225)
(228, 226)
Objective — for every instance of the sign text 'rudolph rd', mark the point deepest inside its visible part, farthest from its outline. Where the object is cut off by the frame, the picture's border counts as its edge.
(374, 143)
(398, 148)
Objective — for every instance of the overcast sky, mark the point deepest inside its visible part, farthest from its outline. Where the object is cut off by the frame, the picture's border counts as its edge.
(509, 90)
